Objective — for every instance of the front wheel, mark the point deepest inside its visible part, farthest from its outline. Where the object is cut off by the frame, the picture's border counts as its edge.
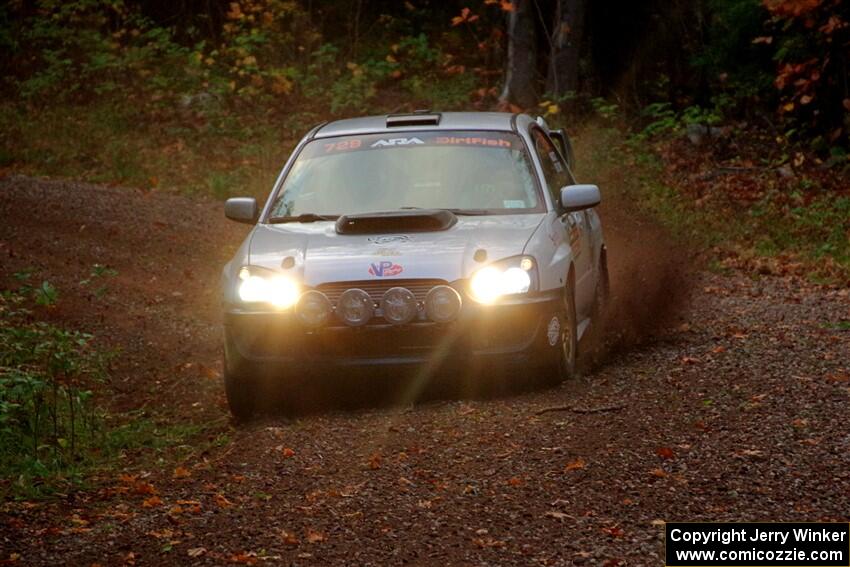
(567, 347)
(242, 395)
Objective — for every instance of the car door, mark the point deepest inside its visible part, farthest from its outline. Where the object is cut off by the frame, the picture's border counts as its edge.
(573, 226)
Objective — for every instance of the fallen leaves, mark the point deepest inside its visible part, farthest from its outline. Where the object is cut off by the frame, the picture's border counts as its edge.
(314, 536)
(614, 531)
(222, 501)
(289, 538)
(181, 472)
(665, 452)
(245, 558)
(196, 551)
(488, 542)
(575, 465)
(374, 461)
(152, 502)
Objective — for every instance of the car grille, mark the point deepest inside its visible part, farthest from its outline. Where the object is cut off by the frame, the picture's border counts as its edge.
(376, 289)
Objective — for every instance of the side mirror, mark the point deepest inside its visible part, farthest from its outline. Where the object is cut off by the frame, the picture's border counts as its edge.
(241, 209)
(580, 197)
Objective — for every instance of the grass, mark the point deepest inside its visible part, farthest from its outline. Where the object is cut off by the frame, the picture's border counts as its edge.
(55, 430)
(213, 153)
(147, 439)
(806, 225)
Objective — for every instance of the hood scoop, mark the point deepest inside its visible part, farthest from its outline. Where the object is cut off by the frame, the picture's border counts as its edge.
(415, 220)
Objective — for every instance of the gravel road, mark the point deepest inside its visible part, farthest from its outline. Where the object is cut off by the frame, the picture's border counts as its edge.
(735, 407)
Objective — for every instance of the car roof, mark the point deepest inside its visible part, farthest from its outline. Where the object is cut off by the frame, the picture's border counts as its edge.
(448, 121)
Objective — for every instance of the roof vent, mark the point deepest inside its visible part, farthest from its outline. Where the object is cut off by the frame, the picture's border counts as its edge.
(418, 118)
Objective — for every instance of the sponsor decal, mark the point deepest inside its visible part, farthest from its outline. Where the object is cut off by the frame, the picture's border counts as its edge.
(385, 268)
(388, 239)
(472, 141)
(553, 330)
(397, 142)
(342, 146)
(575, 234)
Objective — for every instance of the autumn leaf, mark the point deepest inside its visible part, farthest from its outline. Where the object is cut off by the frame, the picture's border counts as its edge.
(249, 558)
(222, 501)
(196, 551)
(181, 472)
(287, 452)
(577, 464)
(515, 481)
(658, 473)
(614, 531)
(375, 461)
(152, 502)
(466, 16)
(289, 538)
(485, 542)
(144, 488)
(665, 452)
(208, 373)
(314, 536)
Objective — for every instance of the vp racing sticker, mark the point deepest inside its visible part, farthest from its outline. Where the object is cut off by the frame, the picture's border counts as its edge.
(385, 268)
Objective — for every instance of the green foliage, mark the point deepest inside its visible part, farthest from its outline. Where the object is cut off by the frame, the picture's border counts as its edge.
(660, 118)
(728, 57)
(605, 109)
(48, 423)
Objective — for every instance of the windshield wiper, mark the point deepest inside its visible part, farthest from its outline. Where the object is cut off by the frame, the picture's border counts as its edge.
(304, 217)
(469, 212)
(459, 212)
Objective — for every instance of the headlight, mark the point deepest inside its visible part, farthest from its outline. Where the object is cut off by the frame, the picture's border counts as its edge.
(508, 277)
(257, 285)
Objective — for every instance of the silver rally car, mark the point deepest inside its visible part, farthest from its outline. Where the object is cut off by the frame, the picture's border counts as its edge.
(418, 240)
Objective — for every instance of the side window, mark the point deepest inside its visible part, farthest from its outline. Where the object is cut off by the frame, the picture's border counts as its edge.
(556, 172)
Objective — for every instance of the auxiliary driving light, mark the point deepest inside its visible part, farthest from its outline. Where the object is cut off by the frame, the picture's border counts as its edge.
(314, 309)
(442, 304)
(399, 305)
(355, 307)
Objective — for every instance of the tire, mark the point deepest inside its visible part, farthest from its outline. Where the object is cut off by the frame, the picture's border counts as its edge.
(565, 367)
(593, 344)
(602, 294)
(243, 383)
(242, 394)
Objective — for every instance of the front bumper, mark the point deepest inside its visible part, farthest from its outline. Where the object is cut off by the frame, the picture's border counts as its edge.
(506, 334)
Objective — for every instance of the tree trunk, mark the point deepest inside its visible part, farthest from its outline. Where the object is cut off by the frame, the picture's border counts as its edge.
(566, 43)
(521, 61)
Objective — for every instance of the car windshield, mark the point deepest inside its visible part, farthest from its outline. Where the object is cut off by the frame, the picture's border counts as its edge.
(473, 172)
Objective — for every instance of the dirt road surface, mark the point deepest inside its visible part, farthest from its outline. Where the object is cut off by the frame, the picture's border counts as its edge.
(735, 408)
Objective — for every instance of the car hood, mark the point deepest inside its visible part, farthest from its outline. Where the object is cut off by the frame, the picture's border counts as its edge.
(321, 255)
